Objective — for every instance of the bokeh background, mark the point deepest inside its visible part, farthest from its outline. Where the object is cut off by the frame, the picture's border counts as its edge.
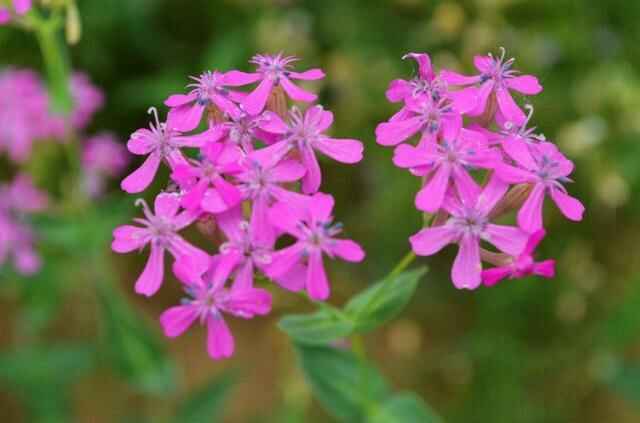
(77, 345)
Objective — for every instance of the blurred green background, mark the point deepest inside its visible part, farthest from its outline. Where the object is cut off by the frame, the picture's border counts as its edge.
(77, 344)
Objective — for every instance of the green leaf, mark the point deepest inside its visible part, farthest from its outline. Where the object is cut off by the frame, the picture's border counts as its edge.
(318, 328)
(132, 348)
(404, 408)
(347, 388)
(384, 300)
(205, 405)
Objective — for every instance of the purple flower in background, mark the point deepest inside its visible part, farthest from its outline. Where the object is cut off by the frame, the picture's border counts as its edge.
(273, 71)
(301, 264)
(544, 166)
(24, 113)
(87, 100)
(469, 223)
(18, 199)
(208, 301)
(160, 230)
(209, 89)
(304, 135)
(103, 157)
(19, 7)
(496, 76)
(522, 265)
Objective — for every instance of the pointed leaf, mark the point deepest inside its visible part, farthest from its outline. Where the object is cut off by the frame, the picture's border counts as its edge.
(404, 408)
(347, 388)
(384, 300)
(319, 328)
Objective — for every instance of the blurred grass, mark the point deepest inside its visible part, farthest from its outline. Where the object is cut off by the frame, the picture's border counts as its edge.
(527, 351)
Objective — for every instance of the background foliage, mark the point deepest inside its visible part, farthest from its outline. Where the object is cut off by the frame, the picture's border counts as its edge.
(530, 351)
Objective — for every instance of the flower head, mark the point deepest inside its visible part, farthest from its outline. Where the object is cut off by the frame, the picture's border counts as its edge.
(521, 265)
(160, 231)
(498, 77)
(273, 71)
(207, 302)
(301, 264)
(469, 223)
(159, 143)
(546, 168)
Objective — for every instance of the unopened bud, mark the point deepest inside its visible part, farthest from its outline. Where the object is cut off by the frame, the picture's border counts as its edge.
(73, 26)
(514, 199)
(277, 102)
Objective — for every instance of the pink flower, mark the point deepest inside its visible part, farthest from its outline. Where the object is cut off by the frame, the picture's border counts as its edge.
(160, 230)
(522, 265)
(87, 100)
(103, 153)
(207, 302)
(24, 113)
(304, 135)
(17, 199)
(496, 76)
(157, 143)
(544, 166)
(273, 71)
(20, 7)
(447, 161)
(244, 251)
(203, 180)
(469, 223)
(423, 115)
(426, 84)
(102, 157)
(243, 129)
(261, 182)
(301, 264)
(209, 89)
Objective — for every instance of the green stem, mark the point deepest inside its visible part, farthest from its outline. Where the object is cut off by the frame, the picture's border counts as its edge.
(402, 264)
(55, 61)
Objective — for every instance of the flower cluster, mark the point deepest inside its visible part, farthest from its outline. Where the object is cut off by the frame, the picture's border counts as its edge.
(470, 129)
(26, 118)
(18, 199)
(236, 160)
(15, 8)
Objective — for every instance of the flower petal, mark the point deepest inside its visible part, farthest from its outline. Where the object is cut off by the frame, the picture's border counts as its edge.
(295, 92)
(508, 239)
(151, 278)
(570, 207)
(347, 250)
(254, 103)
(430, 197)
(530, 214)
(392, 133)
(492, 276)
(431, 240)
(525, 84)
(342, 150)
(220, 342)
(317, 282)
(142, 177)
(128, 238)
(176, 320)
(467, 268)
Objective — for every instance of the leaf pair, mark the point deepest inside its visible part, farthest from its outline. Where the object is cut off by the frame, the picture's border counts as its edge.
(371, 308)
